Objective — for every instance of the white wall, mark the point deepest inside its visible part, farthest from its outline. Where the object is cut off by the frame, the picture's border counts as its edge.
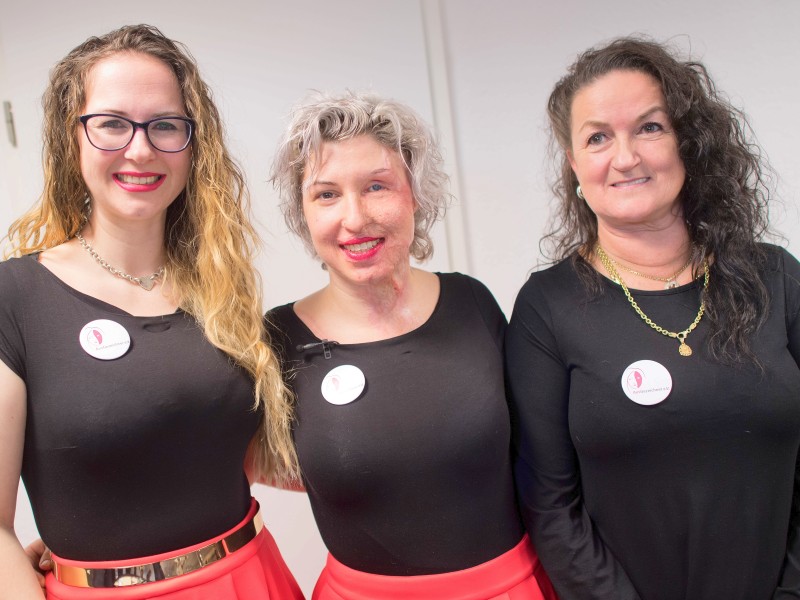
(506, 56)
(500, 62)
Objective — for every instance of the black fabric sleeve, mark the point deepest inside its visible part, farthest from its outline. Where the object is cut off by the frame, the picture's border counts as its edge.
(789, 585)
(490, 311)
(546, 467)
(12, 347)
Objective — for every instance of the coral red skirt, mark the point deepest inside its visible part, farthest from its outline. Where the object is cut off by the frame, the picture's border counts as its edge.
(514, 575)
(256, 571)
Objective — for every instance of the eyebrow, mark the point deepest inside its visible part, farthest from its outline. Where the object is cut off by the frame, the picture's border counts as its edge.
(310, 184)
(127, 115)
(641, 117)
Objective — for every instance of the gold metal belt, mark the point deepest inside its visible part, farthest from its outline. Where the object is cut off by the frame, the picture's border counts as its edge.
(126, 575)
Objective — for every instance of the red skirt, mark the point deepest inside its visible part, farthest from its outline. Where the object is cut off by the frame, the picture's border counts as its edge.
(514, 575)
(254, 572)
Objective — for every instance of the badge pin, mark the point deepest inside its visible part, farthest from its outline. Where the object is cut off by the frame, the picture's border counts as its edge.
(104, 339)
(646, 382)
(343, 384)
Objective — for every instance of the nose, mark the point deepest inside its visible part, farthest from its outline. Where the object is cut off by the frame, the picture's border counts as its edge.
(354, 216)
(626, 156)
(139, 149)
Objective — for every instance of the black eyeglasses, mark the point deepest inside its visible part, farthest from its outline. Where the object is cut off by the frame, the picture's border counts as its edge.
(112, 132)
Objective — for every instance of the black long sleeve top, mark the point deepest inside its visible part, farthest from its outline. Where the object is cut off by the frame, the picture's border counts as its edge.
(693, 497)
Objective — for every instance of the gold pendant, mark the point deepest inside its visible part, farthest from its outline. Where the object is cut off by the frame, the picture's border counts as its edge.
(684, 349)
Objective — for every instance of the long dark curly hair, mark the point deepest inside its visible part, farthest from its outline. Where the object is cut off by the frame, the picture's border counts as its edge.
(724, 197)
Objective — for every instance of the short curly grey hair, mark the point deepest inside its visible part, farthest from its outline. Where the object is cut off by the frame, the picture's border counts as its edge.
(328, 118)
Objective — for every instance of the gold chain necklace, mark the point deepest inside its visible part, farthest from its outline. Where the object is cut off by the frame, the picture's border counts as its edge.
(146, 283)
(669, 282)
(683, 349)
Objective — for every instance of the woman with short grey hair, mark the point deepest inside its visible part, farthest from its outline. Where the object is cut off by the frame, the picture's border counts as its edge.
(402, 428)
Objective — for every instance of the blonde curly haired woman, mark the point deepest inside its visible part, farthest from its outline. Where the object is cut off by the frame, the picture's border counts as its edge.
(134, 366)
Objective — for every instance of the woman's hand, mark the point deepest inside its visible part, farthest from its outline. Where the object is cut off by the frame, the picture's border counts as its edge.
(39, 555)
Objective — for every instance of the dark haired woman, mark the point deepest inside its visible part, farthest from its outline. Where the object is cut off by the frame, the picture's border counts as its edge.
(654, 370)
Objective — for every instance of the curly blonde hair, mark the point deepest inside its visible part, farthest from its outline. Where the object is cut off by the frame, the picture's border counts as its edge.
(209, 240)
(329, 118)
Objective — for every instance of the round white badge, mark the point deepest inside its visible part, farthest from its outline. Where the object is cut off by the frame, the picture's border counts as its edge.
(646, 382)
(343, 384)
(104, 339)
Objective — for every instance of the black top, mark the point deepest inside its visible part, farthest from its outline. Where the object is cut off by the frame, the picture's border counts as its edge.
(414, 476)
(690, 498)
(127, 457)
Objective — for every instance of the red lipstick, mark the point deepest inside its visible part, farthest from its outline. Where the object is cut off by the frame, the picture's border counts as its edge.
(139, 182)
(362, 248)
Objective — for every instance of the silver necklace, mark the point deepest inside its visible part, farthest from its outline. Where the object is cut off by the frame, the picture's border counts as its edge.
(146, 283)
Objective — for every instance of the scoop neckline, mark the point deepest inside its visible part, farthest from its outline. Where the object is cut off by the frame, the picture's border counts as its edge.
(396, 338)
(694, 283)
(91, 300)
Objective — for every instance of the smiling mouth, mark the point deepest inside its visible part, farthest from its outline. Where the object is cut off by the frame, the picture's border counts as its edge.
(362, 247)
(630, 182)
(136, 180)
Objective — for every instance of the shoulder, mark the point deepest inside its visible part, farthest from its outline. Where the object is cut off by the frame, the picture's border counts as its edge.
(15, 275)
(556, 282)
(459, 287)
(561, 272)
(551, 298)
(779, 259)
(779, 265)
(781, 273)
(16, 292)
(278, 315)
(459, 282)
(465, 295)
(20, 264)
(278, 322)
